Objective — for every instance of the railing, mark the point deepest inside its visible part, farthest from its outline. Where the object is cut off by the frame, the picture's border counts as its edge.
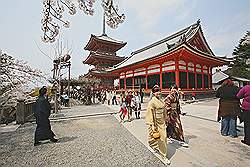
(24, 111)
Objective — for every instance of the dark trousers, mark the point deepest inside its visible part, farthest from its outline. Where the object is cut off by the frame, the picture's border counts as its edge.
(114, 102)
(137, 114)
(247, 127)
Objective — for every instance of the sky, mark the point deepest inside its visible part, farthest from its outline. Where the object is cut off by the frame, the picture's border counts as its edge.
(223, 22)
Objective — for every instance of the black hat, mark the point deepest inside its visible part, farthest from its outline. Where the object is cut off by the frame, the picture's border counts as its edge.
(42, 91)
(156, 88)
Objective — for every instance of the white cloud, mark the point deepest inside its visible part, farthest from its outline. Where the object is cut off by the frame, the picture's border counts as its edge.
(148, 12)
(187, 9)
(225, 37)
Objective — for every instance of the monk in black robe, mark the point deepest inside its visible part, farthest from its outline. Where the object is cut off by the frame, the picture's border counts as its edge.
(42, 113)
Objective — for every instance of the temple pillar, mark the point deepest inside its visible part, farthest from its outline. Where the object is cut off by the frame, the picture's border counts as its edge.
(202, 77)
(187, 74)
(161, 76)
(210, 77)
(177, 75)
(146, 78)
(125, 84)
(195, 76)
(133, 82)
(119, 83)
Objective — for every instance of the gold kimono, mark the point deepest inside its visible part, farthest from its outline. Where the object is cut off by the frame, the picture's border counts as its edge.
(157, 106)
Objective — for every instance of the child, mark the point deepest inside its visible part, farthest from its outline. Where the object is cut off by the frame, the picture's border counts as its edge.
(123, 111)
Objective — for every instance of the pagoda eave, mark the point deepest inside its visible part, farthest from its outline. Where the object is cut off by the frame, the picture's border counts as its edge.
(92, 58)
(94, 40)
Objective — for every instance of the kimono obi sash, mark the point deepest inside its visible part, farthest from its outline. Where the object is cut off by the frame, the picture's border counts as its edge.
(174, 106)
(159, 116)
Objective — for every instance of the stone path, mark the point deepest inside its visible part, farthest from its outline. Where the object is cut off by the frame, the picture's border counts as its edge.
(101, 141)
(91, 141)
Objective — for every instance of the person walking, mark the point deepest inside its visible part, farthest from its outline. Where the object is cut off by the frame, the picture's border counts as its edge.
(141, 93)
(114, 101)
(244, 94)
(123, 110)
(129, 105)
(108, 96)
(155, 120)
(137, 104)
(229, 108)
(42, 112)
(173, 121)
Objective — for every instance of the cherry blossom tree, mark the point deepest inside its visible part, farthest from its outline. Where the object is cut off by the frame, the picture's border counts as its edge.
(15, 76)
(54, 9)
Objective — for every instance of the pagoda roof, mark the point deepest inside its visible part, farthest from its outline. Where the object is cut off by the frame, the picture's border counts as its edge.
(95, 40)
(183, 37)
(97, 56)
(95, 72)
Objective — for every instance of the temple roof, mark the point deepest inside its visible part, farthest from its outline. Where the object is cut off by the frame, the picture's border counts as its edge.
(184, 36)
(103, 39)
(220, 76)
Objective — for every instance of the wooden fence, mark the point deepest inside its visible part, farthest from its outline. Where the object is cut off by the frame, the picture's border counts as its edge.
(24, 111)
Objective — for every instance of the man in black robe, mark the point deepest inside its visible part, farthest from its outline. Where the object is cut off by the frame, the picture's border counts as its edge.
(42, 113)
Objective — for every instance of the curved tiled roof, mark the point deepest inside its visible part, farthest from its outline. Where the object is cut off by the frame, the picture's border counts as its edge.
(164, 45)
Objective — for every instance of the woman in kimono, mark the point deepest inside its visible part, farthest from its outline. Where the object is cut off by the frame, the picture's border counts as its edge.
(156, 107)
(42, 113)
(173, 121)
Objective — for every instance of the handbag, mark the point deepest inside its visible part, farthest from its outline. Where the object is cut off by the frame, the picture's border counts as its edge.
(156, 133)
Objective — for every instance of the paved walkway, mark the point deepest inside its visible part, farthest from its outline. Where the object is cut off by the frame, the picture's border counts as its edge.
(92, 141)
(206, 146)
(88, 140)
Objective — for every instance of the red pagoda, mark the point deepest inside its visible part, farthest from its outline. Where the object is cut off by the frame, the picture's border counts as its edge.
(103, 56)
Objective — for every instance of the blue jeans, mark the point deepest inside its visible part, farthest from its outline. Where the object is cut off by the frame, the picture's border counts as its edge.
(228, 126)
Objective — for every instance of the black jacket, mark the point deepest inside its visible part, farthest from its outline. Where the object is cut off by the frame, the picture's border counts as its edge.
(227, 92)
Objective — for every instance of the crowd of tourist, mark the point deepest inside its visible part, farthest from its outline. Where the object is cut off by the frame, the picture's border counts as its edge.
(163, 115)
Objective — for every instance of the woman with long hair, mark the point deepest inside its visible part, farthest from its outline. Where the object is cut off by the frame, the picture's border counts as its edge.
(229, 108)
(155, 120)
(173, 121)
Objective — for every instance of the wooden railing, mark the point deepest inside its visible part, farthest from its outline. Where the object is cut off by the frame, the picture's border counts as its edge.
(24, 111)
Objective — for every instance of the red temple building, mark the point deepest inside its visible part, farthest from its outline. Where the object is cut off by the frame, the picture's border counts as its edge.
(183, 58)
(103, 56)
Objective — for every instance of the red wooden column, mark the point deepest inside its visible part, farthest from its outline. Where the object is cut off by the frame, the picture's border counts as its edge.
(177, 76)
(119, 82)
(195, 76)
(209, 77)
(146, 78)
(187, 74)
(125, 86)
(211, 84)
(161, 76)
(202, 77)
(133, 81)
